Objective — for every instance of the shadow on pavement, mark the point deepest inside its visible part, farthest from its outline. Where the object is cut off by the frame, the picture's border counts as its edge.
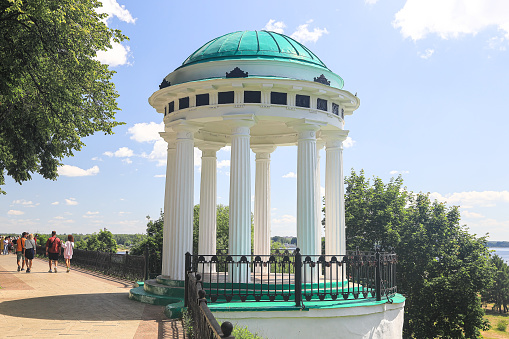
(92, 307)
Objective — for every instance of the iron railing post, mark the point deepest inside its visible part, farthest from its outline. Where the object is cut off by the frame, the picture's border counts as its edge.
(298, 277)
(187, 270)
(378, 279)
(146, 262)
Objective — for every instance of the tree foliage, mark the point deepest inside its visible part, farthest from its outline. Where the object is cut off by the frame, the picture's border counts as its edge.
(498, 292)
(441, 267)
(53, 91)
(102, 242)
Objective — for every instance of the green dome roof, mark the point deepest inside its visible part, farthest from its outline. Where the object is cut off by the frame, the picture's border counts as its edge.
(253, 44)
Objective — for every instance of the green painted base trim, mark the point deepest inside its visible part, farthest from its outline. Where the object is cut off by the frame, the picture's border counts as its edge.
(290, 306)
(174, 311)
(165, 280)
(139, 283)
(139, 294)
(153, 287)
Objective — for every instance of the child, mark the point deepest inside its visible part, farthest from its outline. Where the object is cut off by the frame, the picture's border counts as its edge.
(68, 251)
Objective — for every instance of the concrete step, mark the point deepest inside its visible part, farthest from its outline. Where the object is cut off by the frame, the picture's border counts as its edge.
(165, 280)
(153, 287)
(139, 294)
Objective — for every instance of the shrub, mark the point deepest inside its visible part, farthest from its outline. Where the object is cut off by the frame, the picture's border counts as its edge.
(502, 325)
(241, 332)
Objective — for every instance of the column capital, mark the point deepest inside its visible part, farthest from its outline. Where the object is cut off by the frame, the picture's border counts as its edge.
(169, 137)
(183, 128)
(334, 139)
(305, 125)
(241, 123)
(259, 149)
(306, 128)
(210, 146)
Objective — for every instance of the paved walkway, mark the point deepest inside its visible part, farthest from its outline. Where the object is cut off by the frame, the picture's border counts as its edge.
(79, 304)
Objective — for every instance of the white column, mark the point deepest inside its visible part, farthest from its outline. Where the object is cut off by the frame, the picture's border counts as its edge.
(183, 189)
(307, 194)
(168, 202)
(208, 201)
(239, 242)
(262, 200)
(335, 237)
(319, 146)
(306, 186)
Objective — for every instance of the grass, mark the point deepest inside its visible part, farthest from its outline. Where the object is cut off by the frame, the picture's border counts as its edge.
(498, 323)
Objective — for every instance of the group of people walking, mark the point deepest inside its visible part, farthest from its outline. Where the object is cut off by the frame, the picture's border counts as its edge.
(26, 246)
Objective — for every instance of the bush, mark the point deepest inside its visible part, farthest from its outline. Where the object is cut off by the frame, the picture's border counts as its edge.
(502, 325)
(241, 332)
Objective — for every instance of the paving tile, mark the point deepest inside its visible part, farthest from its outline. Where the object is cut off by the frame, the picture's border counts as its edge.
(79, 304)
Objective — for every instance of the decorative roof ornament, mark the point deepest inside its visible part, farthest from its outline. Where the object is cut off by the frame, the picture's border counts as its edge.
(323, 80)
(164, 84)
(237, 73)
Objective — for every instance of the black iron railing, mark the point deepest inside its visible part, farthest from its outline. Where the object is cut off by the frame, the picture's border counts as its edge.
(288, 276)
(126, 266)
(204, 323)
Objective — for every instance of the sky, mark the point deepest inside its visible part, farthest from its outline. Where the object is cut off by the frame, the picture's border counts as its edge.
(432, 77)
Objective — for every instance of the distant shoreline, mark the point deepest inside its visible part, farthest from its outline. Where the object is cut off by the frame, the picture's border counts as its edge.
(498, 244)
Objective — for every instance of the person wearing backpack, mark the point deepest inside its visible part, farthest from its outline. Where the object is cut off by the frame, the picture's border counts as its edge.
(20, 250)
(53, 246)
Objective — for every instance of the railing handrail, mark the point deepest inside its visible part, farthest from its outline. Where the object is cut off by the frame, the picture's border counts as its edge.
(205, 324)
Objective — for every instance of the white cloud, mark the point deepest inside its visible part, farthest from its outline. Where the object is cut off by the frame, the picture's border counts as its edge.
(160, 176)
(113, 9)
(498, 43)
(451, 18)
(223, 163)
(55, 203)
(290, 175)
(275, 26)
(15, 212)
(146, 132)
(349, 142)
(25, 203)
(91, 215)
(96, 159)
(398, 172)
(59, 217)
(303, 34)
(127, 161)
(285, 219)
(473, 199)
(117, 55)
(73, 171)
(370, 2)
(71, 202)
(427, 53)
(226, 149)
(471, 215)
(122, 152)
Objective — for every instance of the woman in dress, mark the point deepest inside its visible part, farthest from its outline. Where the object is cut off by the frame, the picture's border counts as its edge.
(68, 251)
(29, 251)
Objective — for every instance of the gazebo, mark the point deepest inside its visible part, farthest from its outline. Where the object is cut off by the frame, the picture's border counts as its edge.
(255, 91)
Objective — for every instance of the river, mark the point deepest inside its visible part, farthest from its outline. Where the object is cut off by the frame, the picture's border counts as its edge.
(502, 252)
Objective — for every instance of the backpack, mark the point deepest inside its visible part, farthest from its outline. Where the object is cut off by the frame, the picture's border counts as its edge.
(54, 245)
